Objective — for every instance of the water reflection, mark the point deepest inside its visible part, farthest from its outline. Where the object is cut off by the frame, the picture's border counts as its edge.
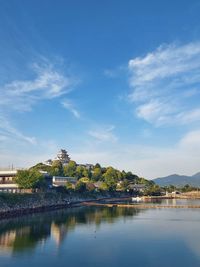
(175, 201)
(23, 234)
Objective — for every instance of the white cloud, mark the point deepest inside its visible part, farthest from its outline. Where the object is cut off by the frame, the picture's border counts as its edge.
(67, 104)
(9, 132)
(191, 141)
(146, 160)
(155, 110)
(189, 116)
(165, 84)
(104, 134)
(21, 95)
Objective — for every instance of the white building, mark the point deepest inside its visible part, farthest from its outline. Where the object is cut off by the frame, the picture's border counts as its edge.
(62, 156)
(7, 181)
(61, 180)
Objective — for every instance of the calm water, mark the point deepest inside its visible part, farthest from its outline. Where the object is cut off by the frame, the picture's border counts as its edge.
(102, 237)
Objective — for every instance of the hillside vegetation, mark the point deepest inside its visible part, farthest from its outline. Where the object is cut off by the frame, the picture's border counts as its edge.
(110, 178)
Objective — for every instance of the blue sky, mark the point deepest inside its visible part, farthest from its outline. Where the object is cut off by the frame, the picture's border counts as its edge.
(114, 82)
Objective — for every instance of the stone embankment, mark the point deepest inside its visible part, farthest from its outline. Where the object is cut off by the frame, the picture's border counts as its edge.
(12, 205)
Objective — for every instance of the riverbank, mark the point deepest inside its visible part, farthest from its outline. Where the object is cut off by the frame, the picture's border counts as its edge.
(12, 205)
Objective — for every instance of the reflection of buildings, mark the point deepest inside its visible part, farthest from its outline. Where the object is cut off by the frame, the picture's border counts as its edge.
(27, 237)
(59, 232)
(26, 234)
(23, 238)
(7, 240)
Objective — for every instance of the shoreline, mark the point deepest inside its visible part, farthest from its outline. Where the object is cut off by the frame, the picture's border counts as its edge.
(17, 212)
(102, 201)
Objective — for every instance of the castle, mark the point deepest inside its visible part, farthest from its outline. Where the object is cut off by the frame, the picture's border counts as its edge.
(62, 156)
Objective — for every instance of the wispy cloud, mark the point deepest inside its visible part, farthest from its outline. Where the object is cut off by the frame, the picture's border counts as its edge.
(47, 82)
(115, 72)
(182, 157)
(67, 104)
(104, 134)
(7, 131)
(191, 141)
(165, 84)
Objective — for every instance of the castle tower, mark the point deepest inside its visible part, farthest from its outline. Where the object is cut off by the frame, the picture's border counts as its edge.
(63, 157)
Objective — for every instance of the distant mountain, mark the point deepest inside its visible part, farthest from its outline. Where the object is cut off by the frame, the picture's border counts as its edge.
(179, 180)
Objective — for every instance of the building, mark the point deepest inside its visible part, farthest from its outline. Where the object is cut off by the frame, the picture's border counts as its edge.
(49, 162)
(61, 181)
(63, 157)
(87, 166)
(137, 187)
(98, 185)
(7, 181)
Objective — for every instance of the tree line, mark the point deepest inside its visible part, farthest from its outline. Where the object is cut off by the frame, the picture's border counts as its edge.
(110, 178)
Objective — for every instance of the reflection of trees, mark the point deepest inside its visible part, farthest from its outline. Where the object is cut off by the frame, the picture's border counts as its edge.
(29, 238)
(24, 235)
(20, 234)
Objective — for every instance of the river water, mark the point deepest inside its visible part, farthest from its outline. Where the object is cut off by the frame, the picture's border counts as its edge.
(102, 237)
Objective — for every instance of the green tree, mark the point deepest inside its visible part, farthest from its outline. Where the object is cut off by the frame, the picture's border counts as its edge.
(70, 169)
(80, 186)
(123, 174)
(123, 186)
(170, 188)
(110, 178)
(96, 174)
(142, 180)
(187, 188)
(79, 172)
(56, 168)
(86, 172)
(41, 167)
(28, 179)
(131, 177)
(69, 186)
(97, 165)
(84, 180)
(119, 175)
(153, 190)
(104, 187)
